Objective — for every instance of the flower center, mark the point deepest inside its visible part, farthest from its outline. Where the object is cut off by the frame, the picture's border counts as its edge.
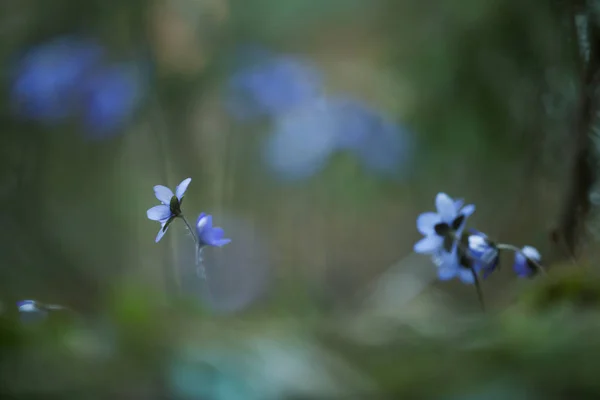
(174, 206)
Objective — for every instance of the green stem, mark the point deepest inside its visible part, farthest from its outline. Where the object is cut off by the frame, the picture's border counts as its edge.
(187, 224)
(478, 288)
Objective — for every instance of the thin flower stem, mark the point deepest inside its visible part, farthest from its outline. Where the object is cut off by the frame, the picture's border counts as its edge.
(200, 268)
(510, 247)
(478, 288)
(187, 224)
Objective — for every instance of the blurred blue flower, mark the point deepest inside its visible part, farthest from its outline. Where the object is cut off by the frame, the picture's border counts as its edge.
(523, 266)
(484, 252)
(28, 306)
(49, 76)
(272, 87)
(110, 96)
(68, 78)
(442, 226)
(380, 144)
(302, 141)
(170, 207)
(454, 264)
(209, 235)
(33, 311)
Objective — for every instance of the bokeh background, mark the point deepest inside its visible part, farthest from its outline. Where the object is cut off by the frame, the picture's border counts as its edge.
(315, 132)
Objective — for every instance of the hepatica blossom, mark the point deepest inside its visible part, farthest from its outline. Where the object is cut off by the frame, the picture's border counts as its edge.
(462, 255)
(170, 207)
(272, 87)
(442, 227)
(381, 145)
(303, 140)
(204, 234)
(525, 260)
(209, 235)
(69, 79)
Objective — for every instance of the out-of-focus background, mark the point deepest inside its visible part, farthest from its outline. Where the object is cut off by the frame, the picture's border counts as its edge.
(315, 132)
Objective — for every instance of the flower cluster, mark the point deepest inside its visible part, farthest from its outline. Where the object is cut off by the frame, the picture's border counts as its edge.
(466, 255)
(71, 78)
(309, 126)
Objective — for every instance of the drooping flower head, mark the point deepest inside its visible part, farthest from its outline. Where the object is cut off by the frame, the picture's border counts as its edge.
(209, 235)
(170, 207)
(483, 252)
(524, 265)
(441, 228)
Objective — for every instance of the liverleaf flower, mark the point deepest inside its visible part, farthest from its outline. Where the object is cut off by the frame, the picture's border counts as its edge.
(441, 227)
(209, 235)
(170, 207)
(525, 261)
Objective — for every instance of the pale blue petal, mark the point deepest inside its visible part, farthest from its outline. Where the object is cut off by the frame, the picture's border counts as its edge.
(429, 244)
(161, 233)
(458, 203)
(427, 221)
(163, 194)
(446, 272)
(220, 242)
(468, 210)
(159, 213)
(182, 187)
(531, 253)
(445, 207)
(218, 233)
(466, 276)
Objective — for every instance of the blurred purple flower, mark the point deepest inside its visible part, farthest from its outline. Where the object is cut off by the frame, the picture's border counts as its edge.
(170, 207)
(302, 141)
(272, 87)
(67, 78)
(49, 75)
(380, 144)
(110, 96)
(209, 235)
(524, 261)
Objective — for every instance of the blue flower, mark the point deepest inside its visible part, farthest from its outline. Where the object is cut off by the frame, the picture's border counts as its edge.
(380, 144)
(272, 87)
(484, 252)
(302, 141)
(447, 223)
(48, 78)
(30, 311)
(454, 264)
(170, 207)
(209, 235)
(524, 265)
(27, 306)
(110, 96)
